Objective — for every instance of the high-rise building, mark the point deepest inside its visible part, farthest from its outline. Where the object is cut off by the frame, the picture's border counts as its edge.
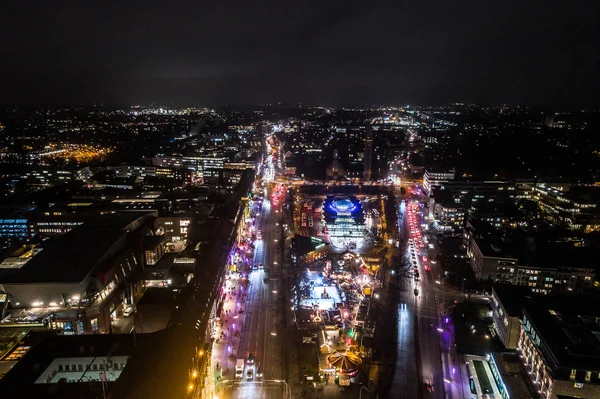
(368, 153)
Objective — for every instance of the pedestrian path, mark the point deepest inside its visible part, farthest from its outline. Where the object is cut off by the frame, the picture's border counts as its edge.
(228, 330)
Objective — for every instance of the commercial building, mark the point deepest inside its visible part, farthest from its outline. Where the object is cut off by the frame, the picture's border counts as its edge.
(81, 281)
(171, 270)
(228, 178)
(566, 209)
(433, 178)
(239, 165)
(558, 345)
(40, 177)
(14, 228)
(58, 366)
(547, 269)
(154, 248)
(368, 153)
(198, 163)
(174, 228)
(61, 218)
(450, 202)
(507, 304)
(217, 169)
(308, 249)
(124, 171)
(445, 215)
(290, 163)
(489, 259)
(155, 308)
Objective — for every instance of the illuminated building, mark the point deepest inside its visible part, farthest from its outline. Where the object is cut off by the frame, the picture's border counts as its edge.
(345, 223)
(174, 228)
(450, 201)
(558, 346)
(368, 153)
(14, 228)
(207, 167)
(507, 302)
(557, 269)
(335, 171)
(559, 206)
(435, 179)
(90, 274)
(53, 366)
(290, 163)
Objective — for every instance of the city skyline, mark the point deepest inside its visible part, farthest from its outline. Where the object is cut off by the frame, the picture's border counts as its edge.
(319, 199)
(295, 252)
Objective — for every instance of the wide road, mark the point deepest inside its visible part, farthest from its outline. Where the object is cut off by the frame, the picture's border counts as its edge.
(427, 353)
(261, 321)
(405, 383)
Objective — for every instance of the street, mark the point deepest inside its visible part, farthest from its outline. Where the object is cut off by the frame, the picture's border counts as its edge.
(427, 366)
(261, 321)
(252, 315)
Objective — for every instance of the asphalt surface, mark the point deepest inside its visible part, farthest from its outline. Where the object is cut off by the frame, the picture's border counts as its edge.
(261, 315)
(261, 327)
(425, 348)
(253, 322)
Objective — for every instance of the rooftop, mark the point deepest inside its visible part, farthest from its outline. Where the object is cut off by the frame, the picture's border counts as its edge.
(569, 327)
(512, 297)
(159, 296)
(45, 348)
(493, 248)
(151, 242)
(71, 257)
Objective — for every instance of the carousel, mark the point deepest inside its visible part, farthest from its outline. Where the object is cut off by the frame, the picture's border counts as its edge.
(346, 365)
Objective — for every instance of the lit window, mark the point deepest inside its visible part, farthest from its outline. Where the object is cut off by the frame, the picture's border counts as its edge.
(573, 372)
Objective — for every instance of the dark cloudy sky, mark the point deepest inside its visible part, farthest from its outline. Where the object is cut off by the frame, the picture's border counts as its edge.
(544, 52)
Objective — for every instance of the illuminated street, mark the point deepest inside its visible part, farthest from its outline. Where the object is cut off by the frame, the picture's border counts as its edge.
(435, 356)
(296, 250)
(252, 314)
(259, 390)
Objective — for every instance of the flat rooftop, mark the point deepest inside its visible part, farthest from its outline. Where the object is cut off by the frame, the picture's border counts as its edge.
(569, 327)
(151, 242)
(493, 248)
(71, 257)
(44, 349)
(512, 297)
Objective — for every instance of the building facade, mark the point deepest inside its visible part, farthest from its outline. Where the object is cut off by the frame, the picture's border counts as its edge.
(435, 179)
(81, 281)
(558, 348)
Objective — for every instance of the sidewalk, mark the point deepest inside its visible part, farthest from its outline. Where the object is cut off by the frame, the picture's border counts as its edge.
(224, 347)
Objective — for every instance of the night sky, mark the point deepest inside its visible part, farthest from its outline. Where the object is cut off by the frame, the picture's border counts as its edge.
(544, 52)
